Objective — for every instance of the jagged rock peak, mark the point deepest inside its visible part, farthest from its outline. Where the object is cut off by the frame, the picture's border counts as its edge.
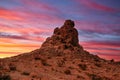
(69, 23)
(65, 35)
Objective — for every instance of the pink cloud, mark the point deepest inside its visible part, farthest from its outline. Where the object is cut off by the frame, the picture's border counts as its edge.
(24, 30)
(27, 16)
(109, 57)
(97, 6)
(9, 14)
(104, 44)
(23, 37)
(6, 40)
(22, 33)
(98, 27)
(40, 5)
(103, 49)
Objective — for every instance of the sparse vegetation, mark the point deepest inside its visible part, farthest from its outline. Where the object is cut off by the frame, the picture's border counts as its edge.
(112, 60)
(5, 77)
(82, 60)
(67, 72)
(96, 59)
(82, 66)
(118, 63)
(80, 77)
(45, 63)
(1, 67)
(70, 67)
(26, 73)
(12, 67)
(60, 63)
(37, 58)
(94, 77)
(98, 64)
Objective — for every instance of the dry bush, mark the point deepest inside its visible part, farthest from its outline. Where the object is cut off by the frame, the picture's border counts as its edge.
(37, 58)
(98, 64)
(94, 77)
(12, 67)
(67, 72)
(26, 73)
(44, 62)
(5, 77)
(80, 77)
(82, 66)
(60, 63)
(97, 77)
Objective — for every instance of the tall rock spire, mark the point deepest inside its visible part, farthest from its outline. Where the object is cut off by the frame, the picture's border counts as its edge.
(66, 35)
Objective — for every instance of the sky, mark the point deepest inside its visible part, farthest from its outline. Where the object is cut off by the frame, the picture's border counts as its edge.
(25, 24)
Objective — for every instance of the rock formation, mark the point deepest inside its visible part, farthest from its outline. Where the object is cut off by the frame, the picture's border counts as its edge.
(64, 40)
(59, 58)
(66, 35)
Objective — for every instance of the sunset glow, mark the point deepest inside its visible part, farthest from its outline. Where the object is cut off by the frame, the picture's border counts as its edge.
(25, 24)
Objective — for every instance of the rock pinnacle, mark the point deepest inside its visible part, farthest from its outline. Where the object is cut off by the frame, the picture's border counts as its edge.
(66, 35)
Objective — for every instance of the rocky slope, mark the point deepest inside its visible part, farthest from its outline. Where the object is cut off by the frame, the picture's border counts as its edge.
(59, 58)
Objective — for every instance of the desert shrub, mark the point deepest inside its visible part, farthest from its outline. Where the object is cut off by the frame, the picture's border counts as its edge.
(112, 60)
(49, 57)
(60, 63)
(45, 63)
(37, 58)
(12, 67)
(67, 72)
(26, 73)
(80, 77)
(1, 67)
(70, 67)
(97, 64)
(66, 46)
(118, 63)
(82, 66)
(5, 77)
(95, 77)
(73, 62)
(96, 59)
(82, 60)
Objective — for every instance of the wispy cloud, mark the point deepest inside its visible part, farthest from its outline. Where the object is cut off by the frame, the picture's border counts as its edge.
(9, 14)
(97, 6)
(103, 48)
(99, 27)
(21, 37)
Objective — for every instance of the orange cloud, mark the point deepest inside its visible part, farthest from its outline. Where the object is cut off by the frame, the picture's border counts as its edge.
(9, 49)
(19, 45)
(8, 54)
(6, 40)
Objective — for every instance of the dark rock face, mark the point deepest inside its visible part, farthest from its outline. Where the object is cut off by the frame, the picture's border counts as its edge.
(66, 35)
